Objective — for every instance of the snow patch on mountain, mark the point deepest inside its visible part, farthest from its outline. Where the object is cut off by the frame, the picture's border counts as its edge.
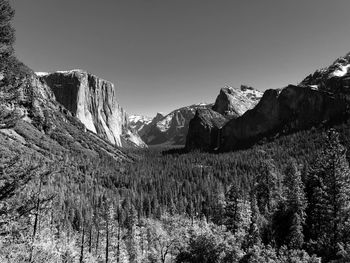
(341, 71)
(138, 122)
(41, 74)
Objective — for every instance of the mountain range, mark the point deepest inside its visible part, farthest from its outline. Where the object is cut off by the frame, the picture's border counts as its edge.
(172, 128)
(320, 99)
(79, 111)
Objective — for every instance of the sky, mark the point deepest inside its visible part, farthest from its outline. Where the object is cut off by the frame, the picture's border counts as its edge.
(164, 54)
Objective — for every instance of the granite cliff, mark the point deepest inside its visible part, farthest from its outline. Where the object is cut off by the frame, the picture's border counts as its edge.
(206, 125)
(172, 128)
(204, 128)
(94, 102)
(321, 98)
(279, 112)
(233, 102)
(34, 124)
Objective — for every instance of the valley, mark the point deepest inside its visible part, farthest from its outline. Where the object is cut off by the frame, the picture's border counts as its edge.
(248, 177)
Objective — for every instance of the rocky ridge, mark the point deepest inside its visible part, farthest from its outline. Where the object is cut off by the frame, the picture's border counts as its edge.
(138, 122)
(233, 102)
(322, 97)
(206, 125)
(94, 102)
(172, 128)
(33, 123)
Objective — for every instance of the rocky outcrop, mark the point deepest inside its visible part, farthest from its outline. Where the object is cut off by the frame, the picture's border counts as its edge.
(282, 111)
(33, 123)
(203, 132)
(172, 128)
(233, 102)
(334, 79)
(322, 97)
(137, 122)
(93, 101)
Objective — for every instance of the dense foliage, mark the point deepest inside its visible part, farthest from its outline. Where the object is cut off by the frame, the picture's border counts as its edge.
(282, 201)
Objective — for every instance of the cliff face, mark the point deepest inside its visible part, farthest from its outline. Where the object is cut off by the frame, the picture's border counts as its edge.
(172, 128)
(203, 132)
(93, 101)
(233, 102)
(205, 128)
(34, 124)
(291, 109)
(322, 97)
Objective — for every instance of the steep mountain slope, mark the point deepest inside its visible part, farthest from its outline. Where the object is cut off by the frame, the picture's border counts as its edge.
(291, 109)
(137, 122)
(322, 97)
(172, 128)
(93, 101)
(204, 129)
(333, 79)
(33, 123)
(233, 102)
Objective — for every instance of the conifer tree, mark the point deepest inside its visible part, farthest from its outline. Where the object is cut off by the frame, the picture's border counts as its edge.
(329, 198)
(296, 204)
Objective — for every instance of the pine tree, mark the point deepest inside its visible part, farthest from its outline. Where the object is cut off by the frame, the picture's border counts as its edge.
(296, 204)
(329, 198)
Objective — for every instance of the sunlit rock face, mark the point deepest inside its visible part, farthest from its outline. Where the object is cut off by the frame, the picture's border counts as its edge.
(33, 123)
(205, 128)
(236, 101)
(92, 100)
(172, 128)
(282, 111)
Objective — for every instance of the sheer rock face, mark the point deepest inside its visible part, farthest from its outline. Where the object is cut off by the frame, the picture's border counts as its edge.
(291, 109)
(204, 128)
(32, 122)
(236, 101)
(203, 132)
(93, 101)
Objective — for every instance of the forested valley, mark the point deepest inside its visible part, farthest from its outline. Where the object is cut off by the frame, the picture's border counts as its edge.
(284, 200)
(287, 200)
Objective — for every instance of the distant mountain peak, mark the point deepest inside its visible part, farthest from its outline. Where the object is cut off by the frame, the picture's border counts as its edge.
(233, 101)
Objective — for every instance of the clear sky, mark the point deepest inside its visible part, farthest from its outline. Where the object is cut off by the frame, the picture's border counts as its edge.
(163, 54)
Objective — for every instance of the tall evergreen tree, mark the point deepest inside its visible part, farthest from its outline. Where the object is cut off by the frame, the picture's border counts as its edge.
(329, 198)
(296, 204)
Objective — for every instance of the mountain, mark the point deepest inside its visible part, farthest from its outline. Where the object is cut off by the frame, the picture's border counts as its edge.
(333, 79)
(204, 129)
(34, 124)
(322, 97)
(279, 112)
(233, 102)
(172, 128)
(94, 102)
(137, 122)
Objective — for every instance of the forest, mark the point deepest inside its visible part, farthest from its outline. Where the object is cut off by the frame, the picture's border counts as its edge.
(284, 200)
